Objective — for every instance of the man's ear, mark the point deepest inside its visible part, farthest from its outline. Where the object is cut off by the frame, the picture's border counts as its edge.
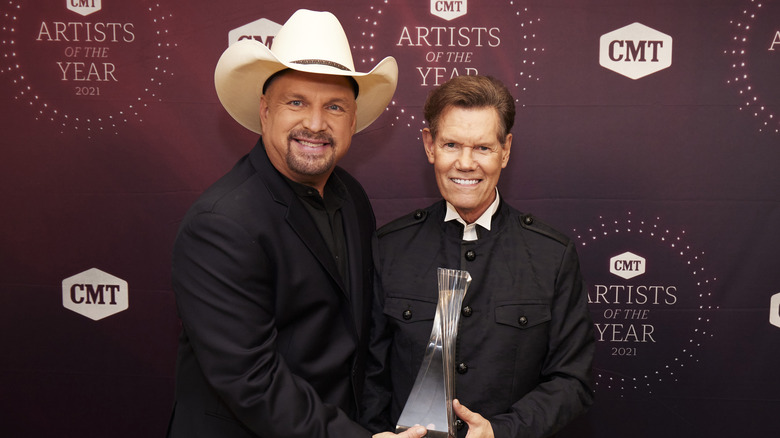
(506, 150)
(429, 144)
(263, 110)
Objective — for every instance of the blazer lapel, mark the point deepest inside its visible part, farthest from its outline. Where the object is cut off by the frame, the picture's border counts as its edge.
(356, 258)
(302, 223)
(297, 216)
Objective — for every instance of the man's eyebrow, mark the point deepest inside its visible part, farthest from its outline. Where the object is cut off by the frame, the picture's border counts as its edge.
(292, 95)
(342, 99)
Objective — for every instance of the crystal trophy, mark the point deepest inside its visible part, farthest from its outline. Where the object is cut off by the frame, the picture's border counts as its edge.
(430, 402)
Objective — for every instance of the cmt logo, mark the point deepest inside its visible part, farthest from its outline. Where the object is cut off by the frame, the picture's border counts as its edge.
(774, 310)
(94, 294)
(262, 30)
(627, 265)
(449, 9)
(84, 7)
(635, 51)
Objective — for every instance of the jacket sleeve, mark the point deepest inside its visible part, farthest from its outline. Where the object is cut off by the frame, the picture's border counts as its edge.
(223, 281)
(565, 390)
(377, 394)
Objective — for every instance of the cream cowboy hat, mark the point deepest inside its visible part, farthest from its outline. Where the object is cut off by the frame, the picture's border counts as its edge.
(309, 41)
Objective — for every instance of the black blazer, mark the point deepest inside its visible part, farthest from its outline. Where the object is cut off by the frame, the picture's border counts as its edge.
(272, 343)
(525, 340)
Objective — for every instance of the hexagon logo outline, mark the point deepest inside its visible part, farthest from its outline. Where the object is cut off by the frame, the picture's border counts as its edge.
(95, 294)
(449, 9)
(263, 30)
(627, 265)
(774, 310)
(84, 7)
(635, 51)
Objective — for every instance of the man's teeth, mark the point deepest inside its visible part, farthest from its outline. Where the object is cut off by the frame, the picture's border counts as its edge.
(310, 144)
(465, 181)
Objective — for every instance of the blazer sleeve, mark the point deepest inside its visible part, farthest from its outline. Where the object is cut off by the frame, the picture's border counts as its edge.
(565, 390)
(227, 312)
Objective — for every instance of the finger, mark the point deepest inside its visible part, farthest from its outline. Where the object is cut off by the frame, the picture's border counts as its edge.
(414, 432)
(461, 411)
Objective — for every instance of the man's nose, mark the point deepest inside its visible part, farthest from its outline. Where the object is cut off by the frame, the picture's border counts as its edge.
(315, 120)
(465, 160)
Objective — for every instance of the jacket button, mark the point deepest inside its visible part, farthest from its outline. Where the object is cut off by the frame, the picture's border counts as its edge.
(471, 255)
(418, 214)
(407, 315)
(462, 368)
(467, 311)
(522, 320)
(528, 220)
(459, 424)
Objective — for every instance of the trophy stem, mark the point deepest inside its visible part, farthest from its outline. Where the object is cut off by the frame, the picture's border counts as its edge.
(430, 402)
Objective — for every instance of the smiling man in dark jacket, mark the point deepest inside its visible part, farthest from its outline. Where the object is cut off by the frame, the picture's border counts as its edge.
(525, 339)
(271, 266)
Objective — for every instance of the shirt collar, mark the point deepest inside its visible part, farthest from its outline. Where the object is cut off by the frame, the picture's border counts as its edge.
(334, 193)
(470, 230)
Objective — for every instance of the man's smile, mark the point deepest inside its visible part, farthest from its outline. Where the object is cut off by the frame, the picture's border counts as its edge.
(311, 143)
(465, 182)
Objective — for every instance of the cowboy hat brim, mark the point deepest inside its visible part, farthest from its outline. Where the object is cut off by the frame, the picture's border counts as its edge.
(245, 66)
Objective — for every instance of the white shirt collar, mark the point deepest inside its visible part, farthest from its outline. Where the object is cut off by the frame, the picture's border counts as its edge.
(470, 230)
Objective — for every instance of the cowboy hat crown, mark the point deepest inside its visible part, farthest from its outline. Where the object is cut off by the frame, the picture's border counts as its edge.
(309, 41)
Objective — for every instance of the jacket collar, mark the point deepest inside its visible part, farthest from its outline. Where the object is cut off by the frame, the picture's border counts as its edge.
(303, 225)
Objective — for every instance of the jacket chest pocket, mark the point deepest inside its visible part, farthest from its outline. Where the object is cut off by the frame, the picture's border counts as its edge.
(525, 327)
(409, 310)
(523, 315)
(411, 321)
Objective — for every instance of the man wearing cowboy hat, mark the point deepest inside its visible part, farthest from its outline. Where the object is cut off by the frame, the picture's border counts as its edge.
(272, 263)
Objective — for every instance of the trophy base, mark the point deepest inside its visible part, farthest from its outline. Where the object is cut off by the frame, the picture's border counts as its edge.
(430, 434)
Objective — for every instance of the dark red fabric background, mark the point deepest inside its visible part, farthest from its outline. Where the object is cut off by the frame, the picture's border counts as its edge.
(679, 167)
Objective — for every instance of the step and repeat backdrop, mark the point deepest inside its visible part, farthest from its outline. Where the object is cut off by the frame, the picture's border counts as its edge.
(648, 131)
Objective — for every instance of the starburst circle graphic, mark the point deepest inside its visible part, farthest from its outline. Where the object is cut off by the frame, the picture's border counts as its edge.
(84, 82)
(646, 341)
(754, 61)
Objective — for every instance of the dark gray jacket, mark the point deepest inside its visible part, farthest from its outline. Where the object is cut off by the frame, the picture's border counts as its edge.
(525, 341)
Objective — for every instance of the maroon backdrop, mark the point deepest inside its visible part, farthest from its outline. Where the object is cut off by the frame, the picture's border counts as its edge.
(654, 145)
